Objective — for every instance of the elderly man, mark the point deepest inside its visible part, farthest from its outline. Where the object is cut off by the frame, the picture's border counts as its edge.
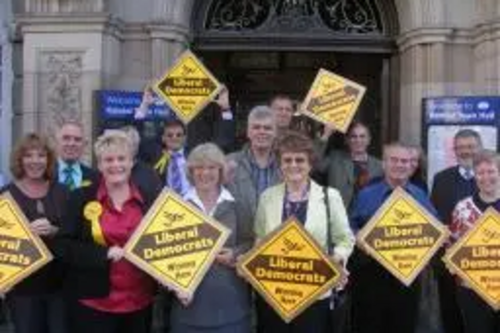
(70, 143)
(449, 187)
(254, 168)
(381, 303)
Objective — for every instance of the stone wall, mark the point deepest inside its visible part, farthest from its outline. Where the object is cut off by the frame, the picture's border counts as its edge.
(445, 47)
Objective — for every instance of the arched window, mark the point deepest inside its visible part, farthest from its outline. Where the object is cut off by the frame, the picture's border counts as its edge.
(321, 22)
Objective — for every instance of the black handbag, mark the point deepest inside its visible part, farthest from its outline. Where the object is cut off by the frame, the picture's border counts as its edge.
(340, 301)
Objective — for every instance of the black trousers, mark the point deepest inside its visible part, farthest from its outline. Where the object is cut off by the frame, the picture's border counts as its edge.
(451, 315)
(38, 314)
(479, 317)
(85, 320)
(381, 303)
(314, 319)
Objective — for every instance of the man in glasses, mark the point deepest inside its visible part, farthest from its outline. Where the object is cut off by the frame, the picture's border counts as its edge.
(380, 302)
(170, 161)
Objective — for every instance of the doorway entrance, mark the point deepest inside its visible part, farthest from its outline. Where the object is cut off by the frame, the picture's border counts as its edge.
(260, 48)
(254, 77)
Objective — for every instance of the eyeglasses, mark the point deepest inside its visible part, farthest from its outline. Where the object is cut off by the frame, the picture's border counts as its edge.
(297, 160)
(175, 135)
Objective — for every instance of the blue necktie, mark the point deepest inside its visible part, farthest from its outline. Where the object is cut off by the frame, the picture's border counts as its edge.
(176, 173)
(468, 175)
(69, 180)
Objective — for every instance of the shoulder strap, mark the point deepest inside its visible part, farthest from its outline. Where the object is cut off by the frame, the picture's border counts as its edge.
(328, 218)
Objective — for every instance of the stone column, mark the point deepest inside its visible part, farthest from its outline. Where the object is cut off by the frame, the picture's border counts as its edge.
(435, 57)
(6, 84)
(169, 33)
(487, 48)
(70, 49)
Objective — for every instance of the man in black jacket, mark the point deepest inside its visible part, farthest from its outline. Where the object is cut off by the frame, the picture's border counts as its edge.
(70, 170)
(449, 187)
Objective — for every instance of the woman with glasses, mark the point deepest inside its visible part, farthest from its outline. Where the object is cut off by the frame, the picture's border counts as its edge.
(303, 199)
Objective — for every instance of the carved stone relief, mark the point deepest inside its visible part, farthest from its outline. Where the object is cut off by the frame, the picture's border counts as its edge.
(60, 88)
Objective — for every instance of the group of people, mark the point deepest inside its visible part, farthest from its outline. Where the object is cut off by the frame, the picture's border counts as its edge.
(86, 216)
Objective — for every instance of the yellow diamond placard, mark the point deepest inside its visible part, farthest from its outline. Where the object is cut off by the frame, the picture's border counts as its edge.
(289, 269)
(475, 257)
(402, 236)
(333, 100)
(176, 243)
(21, 251)
(187, 87)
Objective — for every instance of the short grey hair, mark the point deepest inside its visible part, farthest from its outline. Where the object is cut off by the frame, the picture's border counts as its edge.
(113, 140)
(261, 112)
(135, 138)
(71, 122)
(468, 133)
(394, 145)
(206, 153)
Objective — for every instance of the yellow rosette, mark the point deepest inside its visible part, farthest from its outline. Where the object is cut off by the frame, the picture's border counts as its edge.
(92, 212)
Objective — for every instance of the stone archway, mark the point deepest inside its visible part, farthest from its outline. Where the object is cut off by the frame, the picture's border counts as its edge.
(289, 38)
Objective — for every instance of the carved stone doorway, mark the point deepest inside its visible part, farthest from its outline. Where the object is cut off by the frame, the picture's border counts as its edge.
(263, 47)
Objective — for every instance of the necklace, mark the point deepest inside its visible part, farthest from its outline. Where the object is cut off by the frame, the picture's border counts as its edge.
(293, 208)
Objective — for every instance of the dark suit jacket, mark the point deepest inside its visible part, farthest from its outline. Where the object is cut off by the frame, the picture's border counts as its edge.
(209, 126)
(88, 267)
(448, 188)
(146, 179)
(89, 175)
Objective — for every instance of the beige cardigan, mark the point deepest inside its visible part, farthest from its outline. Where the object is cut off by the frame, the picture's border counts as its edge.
(269, 216)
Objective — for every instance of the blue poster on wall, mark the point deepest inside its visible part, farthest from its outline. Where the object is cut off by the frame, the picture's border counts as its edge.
(443, 117)
(121, 105)
(117, 108)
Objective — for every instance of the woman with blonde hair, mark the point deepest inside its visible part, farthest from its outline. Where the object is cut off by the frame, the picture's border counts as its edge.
(221, 304)
(107, 293)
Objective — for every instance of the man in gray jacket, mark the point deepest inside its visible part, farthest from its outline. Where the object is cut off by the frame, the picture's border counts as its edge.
(254, 168)
(349, 171)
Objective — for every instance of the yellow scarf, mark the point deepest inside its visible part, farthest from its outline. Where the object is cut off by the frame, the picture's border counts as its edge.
(162, 163)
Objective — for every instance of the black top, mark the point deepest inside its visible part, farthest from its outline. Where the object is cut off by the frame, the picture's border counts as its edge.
(48, 279)
(483, 205)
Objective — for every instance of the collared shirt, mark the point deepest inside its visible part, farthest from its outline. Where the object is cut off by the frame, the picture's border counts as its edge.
(181, 160)
(130, 288)
(466, 174)
(193, 197)
(262, 177)
(372, 197)
(77, 173)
